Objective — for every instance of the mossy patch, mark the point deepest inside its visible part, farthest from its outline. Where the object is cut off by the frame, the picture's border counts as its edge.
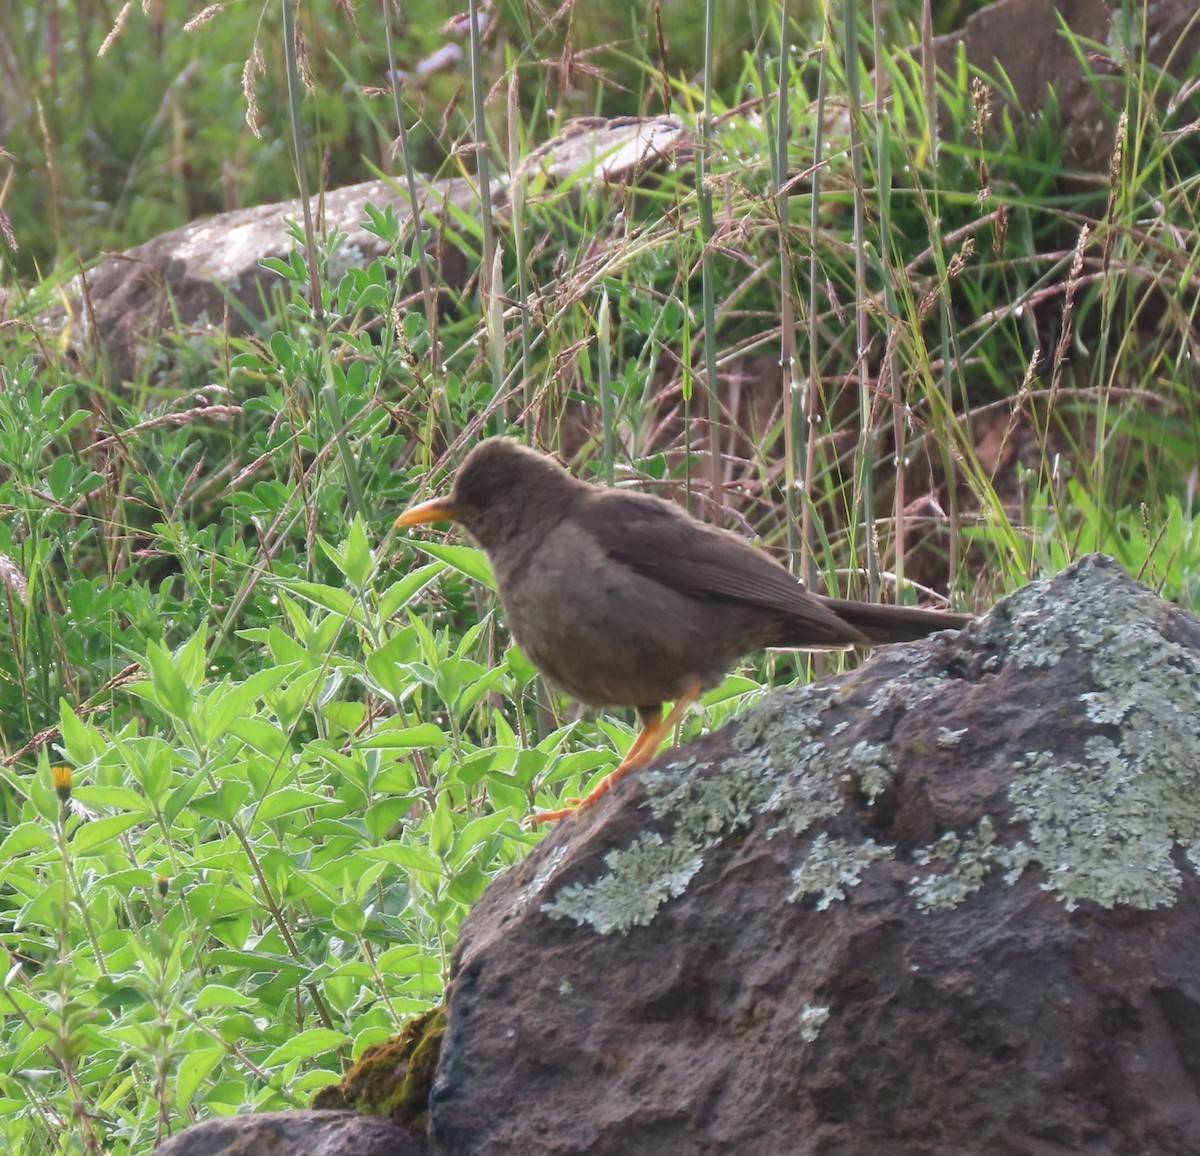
(394, 1078)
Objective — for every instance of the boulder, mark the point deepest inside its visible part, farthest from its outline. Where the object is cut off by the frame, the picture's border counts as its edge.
(1039, 48)
(293, 1134)
(946, 904)
(207, 277)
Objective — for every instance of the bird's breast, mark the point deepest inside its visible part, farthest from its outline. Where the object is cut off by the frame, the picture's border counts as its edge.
(605, 633)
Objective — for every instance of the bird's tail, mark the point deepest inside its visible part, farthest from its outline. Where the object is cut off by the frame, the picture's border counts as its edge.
(883, 624)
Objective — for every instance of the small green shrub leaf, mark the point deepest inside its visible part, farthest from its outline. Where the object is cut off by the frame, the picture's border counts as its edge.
(465, 559)
(314, 1042)
(26, 837)
(96, 835)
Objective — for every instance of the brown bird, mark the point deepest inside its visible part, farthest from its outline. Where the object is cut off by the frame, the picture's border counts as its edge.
(623, 599)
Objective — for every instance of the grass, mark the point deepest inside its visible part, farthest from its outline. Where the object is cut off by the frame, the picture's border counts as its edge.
(263, 754)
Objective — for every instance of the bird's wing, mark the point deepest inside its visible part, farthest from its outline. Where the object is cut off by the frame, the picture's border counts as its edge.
(659, 540)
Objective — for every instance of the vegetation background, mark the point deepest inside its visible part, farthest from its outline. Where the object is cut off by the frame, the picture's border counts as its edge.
(261, 756)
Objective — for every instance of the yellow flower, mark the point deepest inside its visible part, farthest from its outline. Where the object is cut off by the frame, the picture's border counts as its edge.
(64, 779)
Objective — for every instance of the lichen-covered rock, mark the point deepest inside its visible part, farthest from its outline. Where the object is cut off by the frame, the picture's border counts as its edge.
(946, 904)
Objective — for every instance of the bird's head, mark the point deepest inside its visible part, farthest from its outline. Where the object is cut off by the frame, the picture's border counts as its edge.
(499, 488)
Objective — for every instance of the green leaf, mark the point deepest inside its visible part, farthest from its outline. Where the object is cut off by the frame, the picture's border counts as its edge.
(394, 735)
(359, 561)
(231, 701)
(191, 658)
(399, 593)
(381, 817)
(117, 798)
(335, 598)
(507, 797)
(471, 769)
(261, 736)
(167, 686)
(26, 837)
(472, 693)
(407, 959)
(156, 772)
(195, 1067)
(213, 995)
(44, 797)
(314, 1042)
(477, 832)
(97, 834)
(469, 884)
(58, 478)
(257, 962)
(181, 797)
(349, 918)
(465, 559)
(386, 666)
(81, 742)
(284, 649)
(523, 670)
(441, 828)
(129, 879)
(224, 804)
(286, 801)
(405, 855)
(282, 347)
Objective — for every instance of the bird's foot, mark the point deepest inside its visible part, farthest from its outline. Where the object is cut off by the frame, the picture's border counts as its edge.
(539, 818)
(638, 755)
(605, 785)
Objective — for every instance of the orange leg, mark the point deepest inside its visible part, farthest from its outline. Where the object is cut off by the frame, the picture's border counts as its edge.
(655, 729)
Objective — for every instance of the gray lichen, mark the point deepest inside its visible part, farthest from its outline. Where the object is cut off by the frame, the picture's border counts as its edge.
(872, 766)
(708, 807)
(1103, 827)
(640, 880)
(531, 893)
(812, 1020)
(962, 866)
(777, 734)
(831, 866)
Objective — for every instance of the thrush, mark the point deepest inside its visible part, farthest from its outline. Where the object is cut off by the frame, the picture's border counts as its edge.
(624, 599)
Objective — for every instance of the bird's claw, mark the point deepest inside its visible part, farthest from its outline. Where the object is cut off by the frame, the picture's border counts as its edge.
(538, 818)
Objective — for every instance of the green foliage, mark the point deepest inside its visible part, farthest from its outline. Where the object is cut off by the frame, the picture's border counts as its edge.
(260, 874)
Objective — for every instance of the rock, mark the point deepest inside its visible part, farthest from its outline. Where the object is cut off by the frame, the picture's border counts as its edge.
(1024, 42)
(207, 277)
(946, 904)
(294, 1134)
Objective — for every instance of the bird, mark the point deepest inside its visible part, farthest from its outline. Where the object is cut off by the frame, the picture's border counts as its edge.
(624, 599)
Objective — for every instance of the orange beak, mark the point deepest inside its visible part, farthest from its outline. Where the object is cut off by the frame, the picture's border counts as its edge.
(435, 510)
